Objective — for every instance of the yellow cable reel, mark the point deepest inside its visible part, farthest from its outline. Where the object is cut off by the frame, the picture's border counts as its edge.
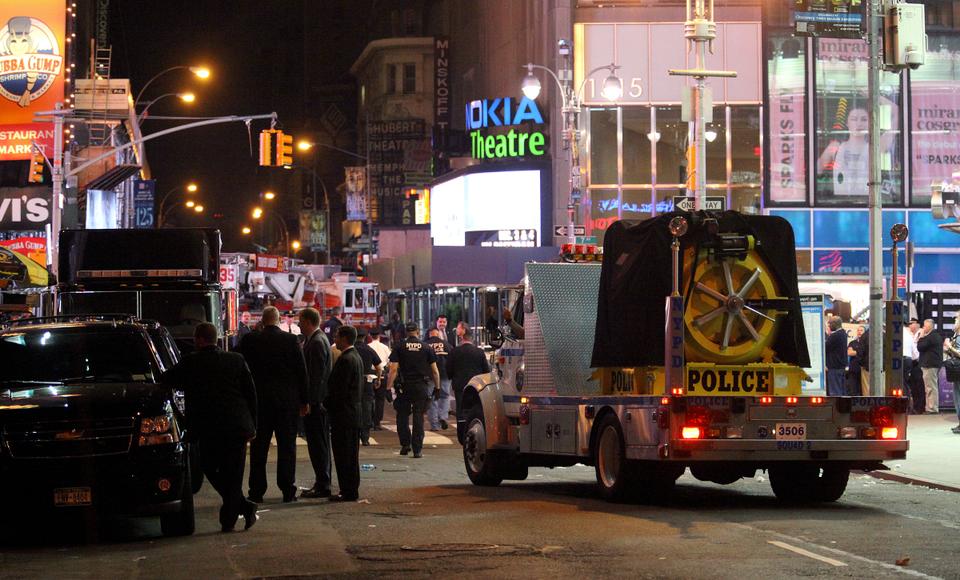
(721, 326)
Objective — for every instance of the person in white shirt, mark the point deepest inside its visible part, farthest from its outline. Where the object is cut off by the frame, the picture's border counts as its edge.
(380, 394)
(288, 324)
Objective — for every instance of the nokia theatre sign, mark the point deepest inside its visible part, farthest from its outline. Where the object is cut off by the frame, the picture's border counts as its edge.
(505, 129)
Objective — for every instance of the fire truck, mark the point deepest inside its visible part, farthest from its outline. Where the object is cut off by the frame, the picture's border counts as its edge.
(679, 345)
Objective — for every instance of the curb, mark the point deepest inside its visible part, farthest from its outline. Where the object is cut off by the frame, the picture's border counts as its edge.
(911, 480)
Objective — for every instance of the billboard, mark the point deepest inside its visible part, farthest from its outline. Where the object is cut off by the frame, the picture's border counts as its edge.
(313, 230)
(31, 73)
(144, 192)
(489, 209)
(24, 208)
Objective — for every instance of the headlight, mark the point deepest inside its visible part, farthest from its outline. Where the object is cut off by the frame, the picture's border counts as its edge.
(158, 430)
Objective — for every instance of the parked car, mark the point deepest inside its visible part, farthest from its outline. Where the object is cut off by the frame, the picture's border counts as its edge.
(85, 423)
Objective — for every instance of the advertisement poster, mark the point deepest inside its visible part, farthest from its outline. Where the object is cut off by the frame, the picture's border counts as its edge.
(829, 18)
(144, 192)
(814, 328)
(31, 247)
(24, 208)
(356, 193)
(935, 121)
(31, 73)
(842, 127)
(788, 103)
(313, 230)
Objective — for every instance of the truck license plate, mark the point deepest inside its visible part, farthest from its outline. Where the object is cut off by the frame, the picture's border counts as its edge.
(67, 496)
(791, 431)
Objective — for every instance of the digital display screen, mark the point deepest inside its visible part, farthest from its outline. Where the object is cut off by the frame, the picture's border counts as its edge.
(492, 209)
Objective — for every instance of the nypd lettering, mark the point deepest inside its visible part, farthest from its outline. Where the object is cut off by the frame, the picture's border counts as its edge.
(729, 381)
(413, 346)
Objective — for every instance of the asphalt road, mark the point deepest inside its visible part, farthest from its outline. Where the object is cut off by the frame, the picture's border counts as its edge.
(421, 517)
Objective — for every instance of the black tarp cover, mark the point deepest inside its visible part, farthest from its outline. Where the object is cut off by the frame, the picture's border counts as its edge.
(636, 279)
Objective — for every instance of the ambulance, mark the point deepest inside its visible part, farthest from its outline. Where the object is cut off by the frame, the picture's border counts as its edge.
(679, 345)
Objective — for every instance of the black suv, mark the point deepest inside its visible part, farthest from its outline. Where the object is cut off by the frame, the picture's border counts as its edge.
(86, 424)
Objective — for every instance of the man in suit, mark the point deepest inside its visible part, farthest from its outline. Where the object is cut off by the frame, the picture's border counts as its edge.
(316, 424)
(221, 417)
(280, 374)
(835, 357)
(345, 390)
(465, 362)
(930, 347)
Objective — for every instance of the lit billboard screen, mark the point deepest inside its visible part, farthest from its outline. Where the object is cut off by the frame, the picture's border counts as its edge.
(489, 209)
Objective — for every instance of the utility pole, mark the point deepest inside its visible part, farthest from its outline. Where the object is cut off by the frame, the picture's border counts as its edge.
(875, 202)
(700, 30)
(56, 204)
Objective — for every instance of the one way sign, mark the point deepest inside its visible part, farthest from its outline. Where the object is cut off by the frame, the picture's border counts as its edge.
(687, 203)
(561, 231)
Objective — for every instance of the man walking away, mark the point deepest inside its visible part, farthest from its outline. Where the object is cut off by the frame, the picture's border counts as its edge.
(836, 357)
(465, 362)
(316, 424)
(280, 374)
(416, 363)
(380, 393)
(343, 404)
(372, 365)
(222, 404)
(930, 346)
(440, 406)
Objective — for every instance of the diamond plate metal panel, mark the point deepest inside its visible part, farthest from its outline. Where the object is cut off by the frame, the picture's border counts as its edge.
(561, 327)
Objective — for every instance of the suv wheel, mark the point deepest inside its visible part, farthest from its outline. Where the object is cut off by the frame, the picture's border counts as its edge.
(181, 523)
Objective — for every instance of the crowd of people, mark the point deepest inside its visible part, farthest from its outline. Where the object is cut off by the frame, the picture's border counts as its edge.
(327, 382)
(925, 353)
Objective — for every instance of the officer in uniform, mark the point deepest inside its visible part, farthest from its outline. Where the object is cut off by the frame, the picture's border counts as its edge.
(416, 362)
(372, 365)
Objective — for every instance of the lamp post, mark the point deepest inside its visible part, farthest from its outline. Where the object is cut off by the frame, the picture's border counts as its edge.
(200, 72)
(190, 188)
(189, 204)
(185, 97)
(570, 101)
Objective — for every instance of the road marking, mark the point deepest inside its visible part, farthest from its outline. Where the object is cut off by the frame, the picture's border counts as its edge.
(806, 553)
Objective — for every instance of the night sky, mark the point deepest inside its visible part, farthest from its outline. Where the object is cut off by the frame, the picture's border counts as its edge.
(256, 51)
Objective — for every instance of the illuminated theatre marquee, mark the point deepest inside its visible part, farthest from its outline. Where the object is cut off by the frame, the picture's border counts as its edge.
(521, 140)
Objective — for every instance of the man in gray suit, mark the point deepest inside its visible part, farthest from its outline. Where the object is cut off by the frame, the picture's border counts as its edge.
(316, 425)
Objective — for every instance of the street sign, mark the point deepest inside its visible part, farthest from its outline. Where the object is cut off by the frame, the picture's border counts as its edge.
(561, 231)
(717, 203)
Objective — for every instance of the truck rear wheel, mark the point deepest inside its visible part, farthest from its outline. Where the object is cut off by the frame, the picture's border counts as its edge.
(481, 464)
(615, 474)
(808, 483)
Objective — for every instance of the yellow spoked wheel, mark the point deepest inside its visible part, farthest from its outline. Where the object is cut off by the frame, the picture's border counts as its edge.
(722, 326)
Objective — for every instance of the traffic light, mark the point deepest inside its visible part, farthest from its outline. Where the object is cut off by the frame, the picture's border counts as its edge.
(284, 149)
(268, 146)
(36, 168)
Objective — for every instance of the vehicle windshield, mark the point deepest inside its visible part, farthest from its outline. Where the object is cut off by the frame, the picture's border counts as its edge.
(98, 303)
(76, 354)
(180, 312)
(166, 350)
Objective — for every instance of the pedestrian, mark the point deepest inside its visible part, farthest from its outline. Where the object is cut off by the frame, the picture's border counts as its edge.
(280, 373)
(910, 357)
(441, 324)
(416, 363)
(916, 375)
(951, 351)
(439, 410)
(332, 324)
(222, 403)
(243, 329)
(343, 403)
(859, 351)
(465, 362)
(380, 394)
(396, 330)
(835, 357)
(930, 346)
(316, 424)
(372, 366)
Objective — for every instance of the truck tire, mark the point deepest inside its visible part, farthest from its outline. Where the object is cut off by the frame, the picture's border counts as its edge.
(615, 474)
(481, 465)
(808, 483)
(181, 523)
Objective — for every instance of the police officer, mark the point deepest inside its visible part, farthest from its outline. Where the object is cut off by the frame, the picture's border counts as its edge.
(416, 363)
(372, 365)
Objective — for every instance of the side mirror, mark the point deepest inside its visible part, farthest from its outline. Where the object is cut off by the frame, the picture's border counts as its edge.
(496, 339)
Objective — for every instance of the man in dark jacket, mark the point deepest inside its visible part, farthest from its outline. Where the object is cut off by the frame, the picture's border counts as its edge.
(930, 346)
(280, 374)
(372, 365)
(345, 389)
(221, 404)
(465, 362)
(316, 424)
(835, 357)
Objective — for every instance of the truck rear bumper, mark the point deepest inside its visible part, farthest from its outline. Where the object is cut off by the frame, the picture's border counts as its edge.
(860, 451)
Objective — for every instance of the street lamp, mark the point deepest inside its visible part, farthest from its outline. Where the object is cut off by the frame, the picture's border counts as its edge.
(257, 213)
(189, 188)
(246, 230)
(201, 72)
(269, 195)
(198, 208)
(189, 204)
(185, 97)
(612, 89)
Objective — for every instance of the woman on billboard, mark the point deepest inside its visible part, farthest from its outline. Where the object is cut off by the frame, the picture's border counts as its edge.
(849, 162)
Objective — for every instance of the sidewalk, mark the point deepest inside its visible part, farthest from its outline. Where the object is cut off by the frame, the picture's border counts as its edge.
(934, 456)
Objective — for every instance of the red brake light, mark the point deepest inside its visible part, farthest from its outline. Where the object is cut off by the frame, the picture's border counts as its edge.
(791, 400)
(698, 416)
(664, 400)
(677, 391)
(889, 433)
(690, 433)
(816, 401)
(766, 400)
(881, 416)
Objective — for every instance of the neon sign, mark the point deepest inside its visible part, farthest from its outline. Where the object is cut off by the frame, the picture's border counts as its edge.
(506, 112)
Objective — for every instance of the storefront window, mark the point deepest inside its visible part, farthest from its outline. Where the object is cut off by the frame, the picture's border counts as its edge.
(842, 125)
(786, 77)
(935, 118)
(602, 207)
(716, 135)
(745, 145)
(671, 136)
(603, 146)
(746, 200)
(637, 204)
(636, 145)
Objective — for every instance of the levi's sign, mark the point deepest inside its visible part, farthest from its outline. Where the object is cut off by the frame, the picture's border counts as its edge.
(516, 138)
